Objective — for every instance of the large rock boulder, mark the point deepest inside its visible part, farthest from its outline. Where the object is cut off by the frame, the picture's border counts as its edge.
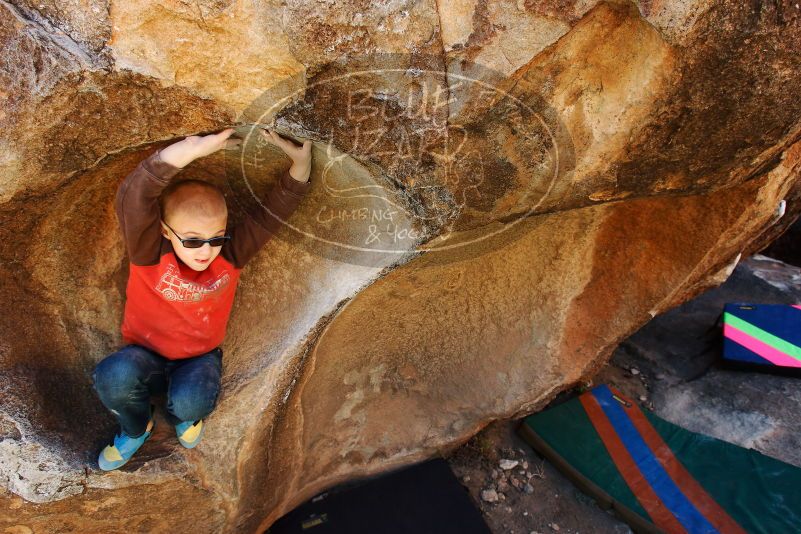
(503, 192)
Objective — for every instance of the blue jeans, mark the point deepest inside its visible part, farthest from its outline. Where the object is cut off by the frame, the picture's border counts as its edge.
(125, 380)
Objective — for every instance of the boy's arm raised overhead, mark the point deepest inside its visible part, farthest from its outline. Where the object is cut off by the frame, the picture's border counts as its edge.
(138, 210)
(136, 202)
(263, 222)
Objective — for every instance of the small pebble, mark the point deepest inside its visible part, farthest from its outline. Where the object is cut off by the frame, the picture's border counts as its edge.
(466, 478)
(489, 495)
(507, 464)
(635, 371)
(554, 526)
(494, 473)
(524, 464)
(525, 514)
(643, 398)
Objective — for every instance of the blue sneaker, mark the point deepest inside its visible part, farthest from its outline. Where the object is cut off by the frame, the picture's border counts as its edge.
(120, 450)
(190, 432)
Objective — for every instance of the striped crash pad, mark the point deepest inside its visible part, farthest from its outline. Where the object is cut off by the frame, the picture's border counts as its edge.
(660, 477)
(766, 335)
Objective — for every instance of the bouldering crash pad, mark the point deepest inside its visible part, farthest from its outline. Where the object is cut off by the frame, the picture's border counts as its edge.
(660, 477)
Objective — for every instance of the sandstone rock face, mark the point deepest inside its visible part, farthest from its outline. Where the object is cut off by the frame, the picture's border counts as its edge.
(503, 192)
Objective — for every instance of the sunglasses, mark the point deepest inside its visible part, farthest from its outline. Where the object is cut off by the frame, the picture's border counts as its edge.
(194, 242)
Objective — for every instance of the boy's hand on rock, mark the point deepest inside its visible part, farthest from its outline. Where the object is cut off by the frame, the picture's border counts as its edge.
(300, 155)
(184, 152)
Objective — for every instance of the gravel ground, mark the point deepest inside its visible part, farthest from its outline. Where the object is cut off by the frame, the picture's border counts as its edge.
(531, 497)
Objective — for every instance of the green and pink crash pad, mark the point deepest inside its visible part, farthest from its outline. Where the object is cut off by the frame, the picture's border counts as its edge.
(659, 477)
(762, 337)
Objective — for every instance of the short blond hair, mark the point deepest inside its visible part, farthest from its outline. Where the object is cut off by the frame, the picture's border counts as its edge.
(193, 197)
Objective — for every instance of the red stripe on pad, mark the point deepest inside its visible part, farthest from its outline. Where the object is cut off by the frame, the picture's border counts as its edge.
(661, 516)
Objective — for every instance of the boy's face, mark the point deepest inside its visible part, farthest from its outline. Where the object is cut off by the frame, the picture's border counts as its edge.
(187, 227)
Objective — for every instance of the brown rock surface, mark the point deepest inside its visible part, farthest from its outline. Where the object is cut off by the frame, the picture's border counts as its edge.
(502, 193)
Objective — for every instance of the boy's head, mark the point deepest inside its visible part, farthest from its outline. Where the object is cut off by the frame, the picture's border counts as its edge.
(193, 209)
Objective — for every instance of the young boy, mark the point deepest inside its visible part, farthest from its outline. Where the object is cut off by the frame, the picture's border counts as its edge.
(184, 270)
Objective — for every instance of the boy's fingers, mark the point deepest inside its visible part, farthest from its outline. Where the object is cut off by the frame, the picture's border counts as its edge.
(279, 138)
(287, 145)
(267, 137)
(276, 137)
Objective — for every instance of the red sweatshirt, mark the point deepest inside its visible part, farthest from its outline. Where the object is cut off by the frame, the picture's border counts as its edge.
(170, 308)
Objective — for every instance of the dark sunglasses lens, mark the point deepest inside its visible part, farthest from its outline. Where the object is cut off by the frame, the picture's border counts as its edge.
(197, 243)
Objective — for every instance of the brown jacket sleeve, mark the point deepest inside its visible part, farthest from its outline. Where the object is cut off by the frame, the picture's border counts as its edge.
(261, 223)
(138, 209)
